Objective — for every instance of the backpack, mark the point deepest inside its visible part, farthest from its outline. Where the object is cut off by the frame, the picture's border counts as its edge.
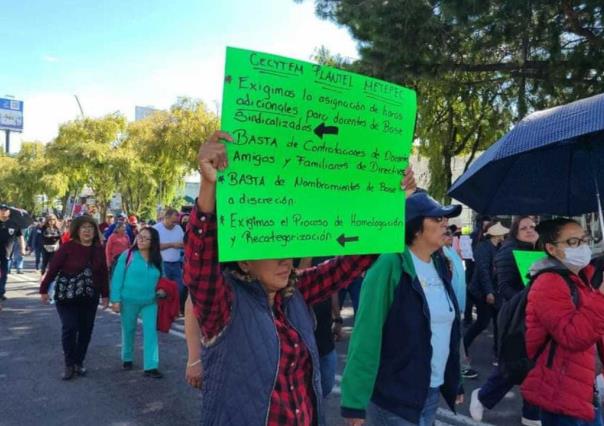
(514, 362)
(114, 263)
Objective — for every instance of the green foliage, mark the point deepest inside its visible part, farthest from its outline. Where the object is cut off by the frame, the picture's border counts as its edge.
(477, 65)
(145, 160)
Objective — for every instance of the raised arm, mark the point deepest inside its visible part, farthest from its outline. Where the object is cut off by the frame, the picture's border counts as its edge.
(210, 295)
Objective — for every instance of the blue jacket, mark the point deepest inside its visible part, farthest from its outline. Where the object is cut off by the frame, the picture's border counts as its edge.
(241, 363)
(390, 352)
(35, 238)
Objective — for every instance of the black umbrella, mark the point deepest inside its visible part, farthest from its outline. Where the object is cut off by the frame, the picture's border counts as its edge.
(552, 162)
(19, 217)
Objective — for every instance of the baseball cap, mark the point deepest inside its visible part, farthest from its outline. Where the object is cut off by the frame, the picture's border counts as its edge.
(420, 204)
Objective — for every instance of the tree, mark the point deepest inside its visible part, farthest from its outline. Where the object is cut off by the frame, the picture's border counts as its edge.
(461, 55)
(84, 155)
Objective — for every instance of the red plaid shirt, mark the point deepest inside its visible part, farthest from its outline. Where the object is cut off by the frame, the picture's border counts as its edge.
(292, 399)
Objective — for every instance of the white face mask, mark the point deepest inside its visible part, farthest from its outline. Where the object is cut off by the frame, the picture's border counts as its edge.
(577, 257)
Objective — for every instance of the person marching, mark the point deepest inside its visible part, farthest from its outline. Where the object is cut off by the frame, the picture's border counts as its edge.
(260, 358)
(404, 349)
(133, 294)
(51, 240)
(81, 276)
(564, 328)
(117, 243)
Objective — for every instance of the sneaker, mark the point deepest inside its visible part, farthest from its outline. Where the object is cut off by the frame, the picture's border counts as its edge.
(127, 365)
(469, 373)
(529, 422)
(80, 370)
(154, 373)
(19, 271)
(476, 407)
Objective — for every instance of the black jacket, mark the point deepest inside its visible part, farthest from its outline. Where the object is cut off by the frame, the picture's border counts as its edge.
(483, 280)
(509, 282)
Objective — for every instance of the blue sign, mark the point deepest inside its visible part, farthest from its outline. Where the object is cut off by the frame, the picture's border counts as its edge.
(11, 115)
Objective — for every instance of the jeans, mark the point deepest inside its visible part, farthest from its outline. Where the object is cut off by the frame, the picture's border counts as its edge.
(551, 419)
(16, 259)
(485, 312)
(328, 372)
(38, 253)
(77, 322)
(173, 271)
(354, 290)
(3, 273)
(495, 389)
(377, 416)
(148, 313)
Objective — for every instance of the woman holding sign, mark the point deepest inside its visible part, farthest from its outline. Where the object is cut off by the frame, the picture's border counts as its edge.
(261, 363)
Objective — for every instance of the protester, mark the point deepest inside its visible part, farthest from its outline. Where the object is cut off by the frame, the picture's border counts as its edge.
(476, 236)
(458, 281)
(171, 238)
(133, 294)
(16, 259)
(483, 286)
(561, 335)
(51, 240)
(117, 243)
(404, 349)
(509, 282)
(109, 220)
(134, 225)
(9, 232)
(259, 355)
(34, 242)
(66, 236)
(121, 219)
(522, 237)
(81, 276)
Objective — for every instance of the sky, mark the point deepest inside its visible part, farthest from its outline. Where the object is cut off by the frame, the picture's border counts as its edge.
(115, 54)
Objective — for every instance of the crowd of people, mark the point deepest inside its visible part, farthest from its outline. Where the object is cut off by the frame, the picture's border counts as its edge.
(261, 334)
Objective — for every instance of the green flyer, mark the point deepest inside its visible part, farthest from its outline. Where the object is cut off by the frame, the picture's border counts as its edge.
(524, 261)
(316, 163)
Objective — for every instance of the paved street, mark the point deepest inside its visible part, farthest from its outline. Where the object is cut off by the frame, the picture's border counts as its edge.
(31, 364)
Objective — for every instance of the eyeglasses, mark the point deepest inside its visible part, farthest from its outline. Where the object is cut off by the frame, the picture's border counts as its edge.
(575, 242)
(142, 239)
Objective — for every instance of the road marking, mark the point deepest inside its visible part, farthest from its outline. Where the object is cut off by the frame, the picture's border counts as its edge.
(458, 419)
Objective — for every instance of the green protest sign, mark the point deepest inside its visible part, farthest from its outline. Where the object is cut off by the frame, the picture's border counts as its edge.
(524, 261)
(316, 163)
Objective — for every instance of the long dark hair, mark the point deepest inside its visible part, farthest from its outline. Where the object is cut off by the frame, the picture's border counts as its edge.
(154, 251)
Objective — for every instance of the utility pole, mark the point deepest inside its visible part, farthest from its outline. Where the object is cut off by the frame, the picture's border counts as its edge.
(79, 105)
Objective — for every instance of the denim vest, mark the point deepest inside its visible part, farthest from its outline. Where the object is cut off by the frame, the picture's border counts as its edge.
(241, 364)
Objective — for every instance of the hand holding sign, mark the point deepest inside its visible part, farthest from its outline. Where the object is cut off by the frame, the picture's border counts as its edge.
(212, 156)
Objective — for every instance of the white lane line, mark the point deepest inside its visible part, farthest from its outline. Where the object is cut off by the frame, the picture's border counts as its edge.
(458, 419)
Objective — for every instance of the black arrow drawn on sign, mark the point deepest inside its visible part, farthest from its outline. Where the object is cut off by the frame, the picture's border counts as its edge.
(322, 129)
(342, 239)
